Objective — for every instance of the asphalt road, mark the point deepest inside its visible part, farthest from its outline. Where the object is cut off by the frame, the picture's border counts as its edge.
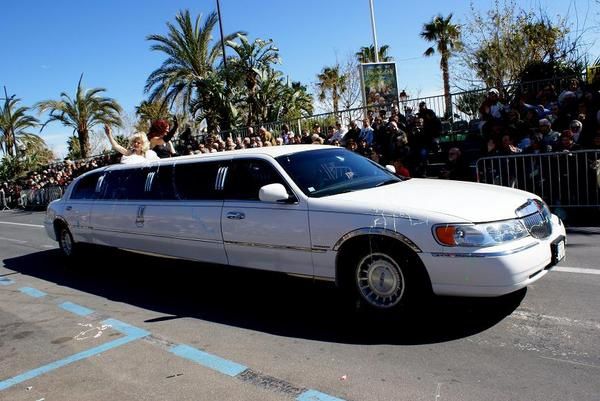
(123, 326)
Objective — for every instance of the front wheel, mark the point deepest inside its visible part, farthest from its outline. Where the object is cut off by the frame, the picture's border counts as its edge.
(380, 280)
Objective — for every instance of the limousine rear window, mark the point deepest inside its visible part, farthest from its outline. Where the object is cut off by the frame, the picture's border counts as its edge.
(86, 187)
(126, 184)
(327, 172)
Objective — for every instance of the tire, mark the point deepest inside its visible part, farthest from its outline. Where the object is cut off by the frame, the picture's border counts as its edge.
(67, 246)
(386, 279)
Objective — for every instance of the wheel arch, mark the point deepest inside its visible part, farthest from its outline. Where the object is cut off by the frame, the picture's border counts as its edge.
(58, 223)
(350, 243)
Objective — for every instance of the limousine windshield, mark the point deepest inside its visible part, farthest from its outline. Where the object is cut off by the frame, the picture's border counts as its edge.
(333, 171)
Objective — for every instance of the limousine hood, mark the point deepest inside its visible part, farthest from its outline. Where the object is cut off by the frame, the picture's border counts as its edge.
(462, 200)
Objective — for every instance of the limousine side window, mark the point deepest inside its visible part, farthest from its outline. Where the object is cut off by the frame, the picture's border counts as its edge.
(126, 184)
(86, 187)
(246, 176)
(196, 181)
(163, 185)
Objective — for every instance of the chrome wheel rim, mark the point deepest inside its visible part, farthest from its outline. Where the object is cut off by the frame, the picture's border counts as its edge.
(380, 280)
(66, 242)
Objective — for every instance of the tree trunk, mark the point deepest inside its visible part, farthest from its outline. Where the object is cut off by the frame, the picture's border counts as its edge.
(335, 96)
(10, 142)
(446, 77)
(84, 143)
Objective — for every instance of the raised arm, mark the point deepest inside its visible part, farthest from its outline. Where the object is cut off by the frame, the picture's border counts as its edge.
(172, 131)
(115, 145)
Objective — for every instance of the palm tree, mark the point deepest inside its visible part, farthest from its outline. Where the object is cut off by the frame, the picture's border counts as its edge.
(14, 123)
(446, 37)
(296, 101)
(254, 58)
(148, 111)
(332, 80)
(367, 54)
(86, 110)
(214, 102)
(190, 58)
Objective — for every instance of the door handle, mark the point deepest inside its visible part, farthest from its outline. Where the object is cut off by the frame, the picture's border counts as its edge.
(69, 208)
(139, 221)
(236, 215)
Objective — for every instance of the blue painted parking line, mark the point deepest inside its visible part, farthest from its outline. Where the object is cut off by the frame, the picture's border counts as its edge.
(127, 329)
(76, 309)
(314, 395)
(208, 360)
(6, 281)
(32, 292)
(131, 334)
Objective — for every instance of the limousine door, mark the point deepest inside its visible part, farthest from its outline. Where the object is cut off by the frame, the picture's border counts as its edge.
(77, 211)
(115, 215)
(182, 216)
(262, 235)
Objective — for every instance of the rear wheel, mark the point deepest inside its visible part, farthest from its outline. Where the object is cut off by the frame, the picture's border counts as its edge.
(65, 242)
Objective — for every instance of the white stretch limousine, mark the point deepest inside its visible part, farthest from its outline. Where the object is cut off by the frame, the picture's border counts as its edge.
(321, 212)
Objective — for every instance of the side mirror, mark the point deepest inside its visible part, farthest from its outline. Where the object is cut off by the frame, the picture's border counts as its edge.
(273, 193)
(390, 168)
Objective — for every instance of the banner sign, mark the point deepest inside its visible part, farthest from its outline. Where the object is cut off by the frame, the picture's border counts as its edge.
(379, 84)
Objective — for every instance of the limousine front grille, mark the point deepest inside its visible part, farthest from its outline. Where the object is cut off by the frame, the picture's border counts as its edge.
(536, 218)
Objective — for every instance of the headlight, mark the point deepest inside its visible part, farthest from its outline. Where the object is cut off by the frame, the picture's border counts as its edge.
(486, 234)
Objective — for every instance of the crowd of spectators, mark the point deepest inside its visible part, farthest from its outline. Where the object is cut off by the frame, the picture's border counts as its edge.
(535, 122)
(56, 175)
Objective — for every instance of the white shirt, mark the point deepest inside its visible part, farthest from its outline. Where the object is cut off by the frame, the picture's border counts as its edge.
(133, 158)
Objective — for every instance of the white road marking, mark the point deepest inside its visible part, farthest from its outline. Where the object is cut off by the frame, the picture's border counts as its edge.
(22, 224)
(566, 269)
(571, 362)
(13, 240)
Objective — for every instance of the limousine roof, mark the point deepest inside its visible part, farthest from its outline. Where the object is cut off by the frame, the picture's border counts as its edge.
(273, 151)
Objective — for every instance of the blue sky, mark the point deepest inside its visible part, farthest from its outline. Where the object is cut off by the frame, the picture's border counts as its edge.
(48, 44)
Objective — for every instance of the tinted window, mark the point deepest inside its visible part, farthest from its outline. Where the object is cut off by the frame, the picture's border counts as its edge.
(196, 181)
(245, 177)
(125, 184)
(86, 187)
(163, 184)
(333, 171)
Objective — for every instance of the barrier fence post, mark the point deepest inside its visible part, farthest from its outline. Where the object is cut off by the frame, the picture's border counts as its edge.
(3, 203)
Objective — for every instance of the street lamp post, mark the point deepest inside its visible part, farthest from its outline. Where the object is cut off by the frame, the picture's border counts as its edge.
(376, 50)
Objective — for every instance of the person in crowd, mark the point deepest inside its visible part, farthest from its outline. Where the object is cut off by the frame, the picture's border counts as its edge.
(576, 127)
(549, 137)
(399, 164)
(160, 137)
(138, 150)
(567, 142)
(286, 135)
(352, 134)
(455, 167)
(316, 139)
(491, 108)
(266, 136)
(329, 135)
(366, 133)
(339, 133)
(351, 145)
(508, 147)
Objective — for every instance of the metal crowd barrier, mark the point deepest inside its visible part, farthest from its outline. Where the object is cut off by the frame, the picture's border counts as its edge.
(562, 179)
(3, 201)
(37, 198)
